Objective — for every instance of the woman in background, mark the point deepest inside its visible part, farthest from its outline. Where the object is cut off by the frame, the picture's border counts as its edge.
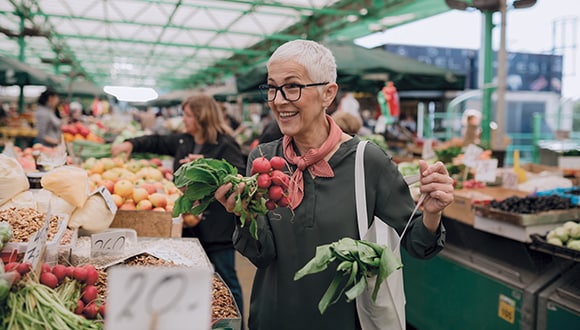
(48, 125)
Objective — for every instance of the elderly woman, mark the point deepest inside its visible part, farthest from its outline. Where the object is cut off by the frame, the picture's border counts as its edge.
(301, 85)
(205, 136)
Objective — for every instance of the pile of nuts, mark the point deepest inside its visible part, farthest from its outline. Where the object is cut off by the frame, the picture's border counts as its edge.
(27, 221)
(222, 305)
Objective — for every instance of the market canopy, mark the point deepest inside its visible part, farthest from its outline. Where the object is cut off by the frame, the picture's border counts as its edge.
(175, 44)
(13, 72)
(361, 69)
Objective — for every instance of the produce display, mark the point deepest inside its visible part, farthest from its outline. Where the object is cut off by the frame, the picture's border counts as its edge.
(567, 235)
(5, 233)
(27, 221)
(532, 204)
(80, 131)
(357, 260)
(264, 190)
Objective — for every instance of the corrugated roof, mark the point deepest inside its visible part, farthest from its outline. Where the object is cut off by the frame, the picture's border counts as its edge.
(179, 44)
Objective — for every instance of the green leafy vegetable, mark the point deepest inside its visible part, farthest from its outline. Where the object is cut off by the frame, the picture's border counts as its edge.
(204, 176)
(357, 260)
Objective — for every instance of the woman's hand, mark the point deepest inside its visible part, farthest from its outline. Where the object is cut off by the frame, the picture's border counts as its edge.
(227, 198)
(437, 186)
(190, 158)
(125, 147)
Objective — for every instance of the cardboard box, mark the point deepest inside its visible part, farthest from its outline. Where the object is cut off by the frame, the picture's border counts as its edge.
(462, 207)
(145, 223)
(538, 168)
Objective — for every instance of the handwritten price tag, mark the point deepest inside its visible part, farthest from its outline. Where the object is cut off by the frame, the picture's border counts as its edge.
(108, 198)
(112, 241)
(36, 247)
(427, 152)
(158, 298)
(509, 180)
(485, 170)
(471, 155)
(165, 253)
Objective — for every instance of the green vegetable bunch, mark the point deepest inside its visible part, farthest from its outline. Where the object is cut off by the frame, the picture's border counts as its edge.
(204, 176)
(357, 261)
(566, 235)
(5, 233)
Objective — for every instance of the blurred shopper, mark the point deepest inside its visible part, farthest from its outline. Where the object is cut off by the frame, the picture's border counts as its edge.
(48, 124)
(205, 136)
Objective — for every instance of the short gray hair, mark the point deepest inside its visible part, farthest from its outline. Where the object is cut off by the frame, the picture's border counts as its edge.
(314, 57)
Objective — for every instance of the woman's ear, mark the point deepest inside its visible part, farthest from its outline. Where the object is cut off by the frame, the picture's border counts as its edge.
(329, 94)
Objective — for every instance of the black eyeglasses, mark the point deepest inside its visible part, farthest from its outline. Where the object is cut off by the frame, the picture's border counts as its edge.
(290, 92)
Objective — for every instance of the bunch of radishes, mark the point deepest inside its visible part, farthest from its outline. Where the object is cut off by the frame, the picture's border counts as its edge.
(72, 284)
(272, 180)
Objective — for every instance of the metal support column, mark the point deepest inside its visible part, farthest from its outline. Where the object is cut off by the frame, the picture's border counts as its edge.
(486, 110)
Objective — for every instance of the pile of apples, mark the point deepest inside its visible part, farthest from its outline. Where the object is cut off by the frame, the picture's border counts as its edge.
(79, 131)
(134, 184)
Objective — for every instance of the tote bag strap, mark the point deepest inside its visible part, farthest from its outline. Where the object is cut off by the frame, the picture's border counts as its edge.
(359, 189)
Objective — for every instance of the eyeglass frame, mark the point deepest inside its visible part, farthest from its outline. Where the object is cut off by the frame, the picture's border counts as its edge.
(264, 89)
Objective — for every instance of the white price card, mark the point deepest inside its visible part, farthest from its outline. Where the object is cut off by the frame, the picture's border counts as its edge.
(107, 197)
(168, 254)
(36, 248)
(158, 298)
(427, 152)
(509, 180)
(485, 170)
(471, 155)
(112, 241)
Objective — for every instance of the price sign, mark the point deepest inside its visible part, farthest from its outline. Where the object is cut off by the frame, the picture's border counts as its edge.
(112, 241)
(509, 180)
(158, 298)
(507, 309)
(471, 155)
(36, 247)
(427, 152)
(485, 170)
(108, 198)
(165, 253)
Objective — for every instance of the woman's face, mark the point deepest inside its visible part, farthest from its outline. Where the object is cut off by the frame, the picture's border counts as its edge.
(189, 121)
(305, 116)
(53, 101)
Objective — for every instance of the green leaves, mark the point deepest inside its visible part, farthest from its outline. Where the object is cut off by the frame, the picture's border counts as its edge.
(357, 261)
(203, 177)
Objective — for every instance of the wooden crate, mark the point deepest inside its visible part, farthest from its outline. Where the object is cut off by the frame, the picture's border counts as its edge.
(146, 223)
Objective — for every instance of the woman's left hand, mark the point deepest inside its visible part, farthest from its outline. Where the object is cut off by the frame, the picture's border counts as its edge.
(437, 185)
(190, 158)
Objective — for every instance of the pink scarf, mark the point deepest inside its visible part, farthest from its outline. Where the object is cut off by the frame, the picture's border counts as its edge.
(313, 160)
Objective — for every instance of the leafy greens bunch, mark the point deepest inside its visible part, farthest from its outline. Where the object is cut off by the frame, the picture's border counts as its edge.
(358, 261)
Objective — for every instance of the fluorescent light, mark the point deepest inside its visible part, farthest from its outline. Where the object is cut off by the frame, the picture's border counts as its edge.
(132, 94)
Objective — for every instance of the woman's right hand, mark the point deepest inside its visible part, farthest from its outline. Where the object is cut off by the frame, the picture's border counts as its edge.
(125, 147)
(227, 198)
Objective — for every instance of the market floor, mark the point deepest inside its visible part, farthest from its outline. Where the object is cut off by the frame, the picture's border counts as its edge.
(246, 272)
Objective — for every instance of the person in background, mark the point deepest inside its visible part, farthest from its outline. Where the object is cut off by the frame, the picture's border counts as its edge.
(159, 126)
(301, 85)
(409, 123)
(48, 124)
(347, 122)
(205, 136)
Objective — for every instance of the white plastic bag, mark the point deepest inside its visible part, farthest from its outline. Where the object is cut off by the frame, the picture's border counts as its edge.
(13, 180)
(387, 312)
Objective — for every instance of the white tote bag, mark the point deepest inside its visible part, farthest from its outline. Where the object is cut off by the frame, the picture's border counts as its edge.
(388, 311)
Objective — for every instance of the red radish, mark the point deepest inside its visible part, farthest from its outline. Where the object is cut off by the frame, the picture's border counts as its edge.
(283, 202)
(264, 181)
(10, 266)
(279, 178)
(278, 163)
(80, 307)
(69, 271)
(89, 293)
(261, 165)
(23, 269)
(49, 279)
(17, 276)
(60, 271)
(91, 310)
(80, 274)
(44, 268)
(271, 205)
(103, 310)
(92, 274)
(275, 193)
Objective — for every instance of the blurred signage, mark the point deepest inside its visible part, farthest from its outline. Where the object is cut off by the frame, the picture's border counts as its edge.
(526, 71)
